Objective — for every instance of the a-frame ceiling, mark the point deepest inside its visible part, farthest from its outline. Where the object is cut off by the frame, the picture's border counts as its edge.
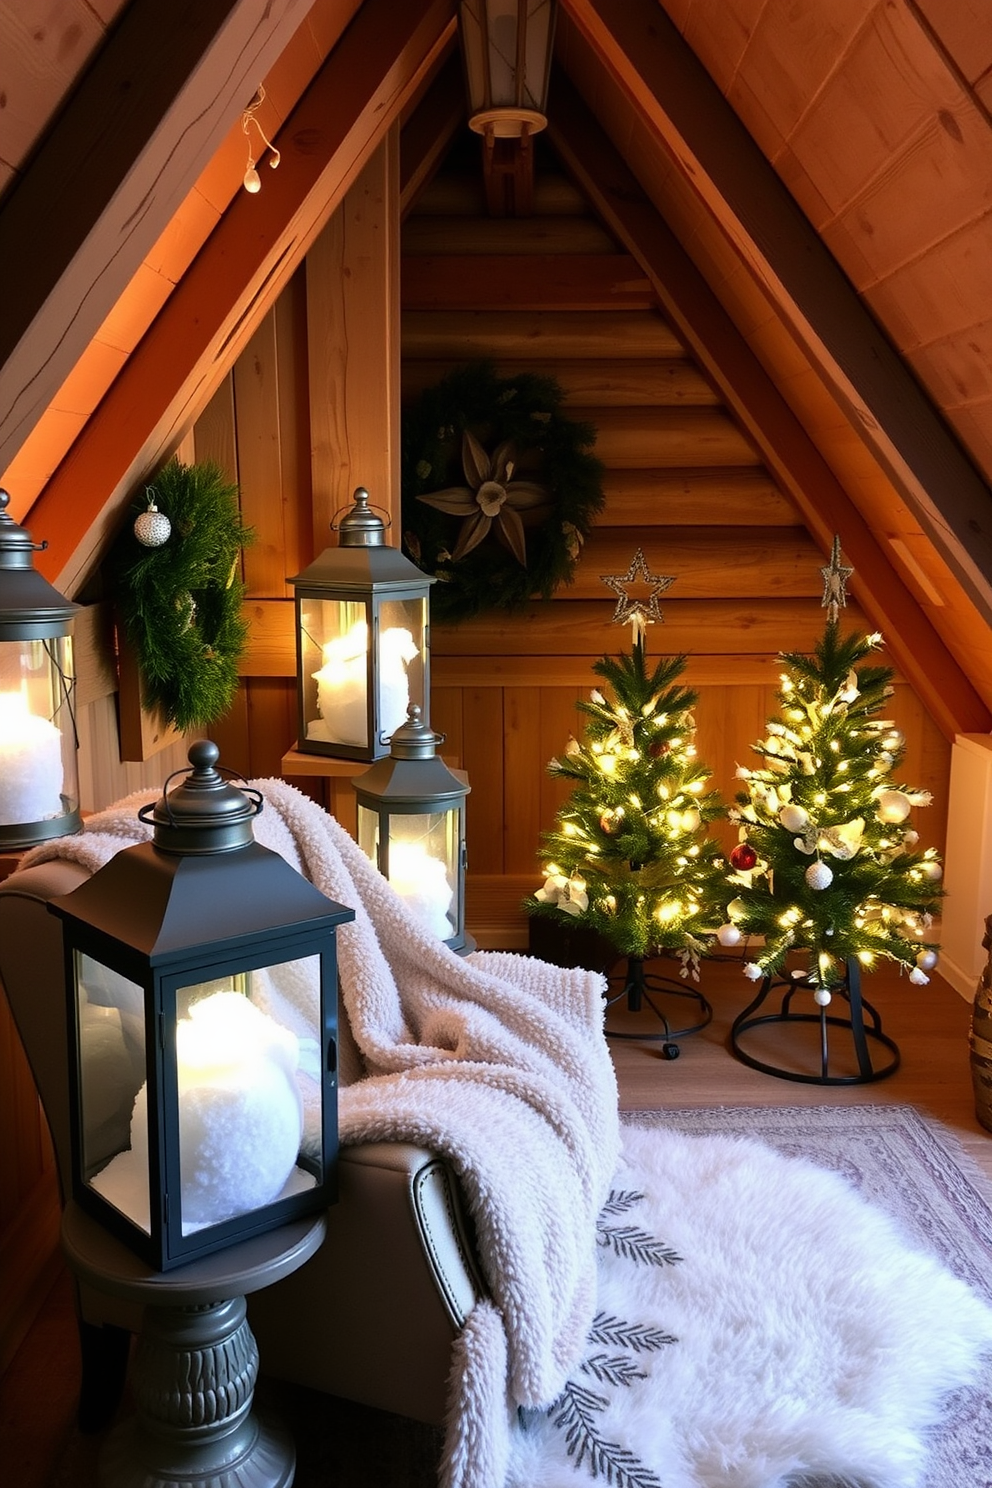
(814, 177)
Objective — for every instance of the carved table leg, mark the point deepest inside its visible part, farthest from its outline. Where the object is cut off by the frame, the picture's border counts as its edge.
(193, 1380)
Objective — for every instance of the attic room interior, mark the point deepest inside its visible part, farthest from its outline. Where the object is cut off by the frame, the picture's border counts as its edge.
(728, 271)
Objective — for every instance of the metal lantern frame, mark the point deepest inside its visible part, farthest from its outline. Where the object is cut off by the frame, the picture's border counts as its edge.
(414, 783)
(364, 588)
(506, 46)
(202, 903)
(39, 778)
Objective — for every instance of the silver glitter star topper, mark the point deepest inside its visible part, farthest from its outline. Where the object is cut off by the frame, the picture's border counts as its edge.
(835, 577)
(638, 610)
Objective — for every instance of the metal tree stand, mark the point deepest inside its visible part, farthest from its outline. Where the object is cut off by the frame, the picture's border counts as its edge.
(638, 986)
(864, 1035)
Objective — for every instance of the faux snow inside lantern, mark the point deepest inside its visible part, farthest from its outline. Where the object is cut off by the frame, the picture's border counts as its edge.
(411, 824)
(202, 977)
(363, 641)
(39, 790)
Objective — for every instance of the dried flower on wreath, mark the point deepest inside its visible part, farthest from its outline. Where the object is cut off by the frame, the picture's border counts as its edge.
(499, 490)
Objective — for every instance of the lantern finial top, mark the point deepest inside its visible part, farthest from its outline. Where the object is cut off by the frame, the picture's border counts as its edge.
(414, 739)
(361, 527)
(16, 546)
(205, 813)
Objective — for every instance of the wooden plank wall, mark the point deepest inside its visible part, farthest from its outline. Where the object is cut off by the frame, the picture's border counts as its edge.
(682, 482)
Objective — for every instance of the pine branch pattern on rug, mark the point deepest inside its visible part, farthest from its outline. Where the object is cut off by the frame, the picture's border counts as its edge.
(629, 1241)
(576, 1410)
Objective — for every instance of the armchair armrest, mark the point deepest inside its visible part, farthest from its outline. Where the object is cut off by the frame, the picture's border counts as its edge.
(366, 1318)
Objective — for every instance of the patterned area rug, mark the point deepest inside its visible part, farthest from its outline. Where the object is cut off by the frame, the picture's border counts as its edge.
(761, 1324)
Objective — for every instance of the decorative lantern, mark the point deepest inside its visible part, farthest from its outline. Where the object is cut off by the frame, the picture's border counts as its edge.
(506, 45)
(411, 824)
(363, 641)
(202, 979)
(39, 789)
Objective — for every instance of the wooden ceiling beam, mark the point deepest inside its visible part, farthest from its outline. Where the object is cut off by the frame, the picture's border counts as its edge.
(701, 322)
(877, 392)
(159, 97)
(377, 66)
(430, 130)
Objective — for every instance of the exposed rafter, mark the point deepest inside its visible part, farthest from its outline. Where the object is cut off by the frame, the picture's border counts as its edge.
(370, 76)
(884, 404)
(111, 173)
(430, 130)
(788, 452)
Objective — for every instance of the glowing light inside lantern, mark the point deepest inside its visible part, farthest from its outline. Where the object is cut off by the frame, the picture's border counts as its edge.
(341, 684)
(422, 883)
(30, 763)
(240, 1110)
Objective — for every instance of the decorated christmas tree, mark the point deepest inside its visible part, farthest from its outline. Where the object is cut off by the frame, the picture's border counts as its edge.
(629, 856)
(828, 863)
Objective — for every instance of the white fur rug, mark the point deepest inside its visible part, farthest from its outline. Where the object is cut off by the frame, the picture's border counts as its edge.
(759, 1325)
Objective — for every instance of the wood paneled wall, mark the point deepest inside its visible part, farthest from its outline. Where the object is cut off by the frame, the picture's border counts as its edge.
(682, 482)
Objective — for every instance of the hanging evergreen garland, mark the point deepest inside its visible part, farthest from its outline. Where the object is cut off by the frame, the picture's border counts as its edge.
(178, 592)
(499, 489)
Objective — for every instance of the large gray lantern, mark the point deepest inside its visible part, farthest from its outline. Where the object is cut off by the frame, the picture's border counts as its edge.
(363, 641)
(39, 782)
(202, 980)
(411, 824)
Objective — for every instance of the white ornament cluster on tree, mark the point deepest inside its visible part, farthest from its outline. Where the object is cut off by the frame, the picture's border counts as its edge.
(828, 864)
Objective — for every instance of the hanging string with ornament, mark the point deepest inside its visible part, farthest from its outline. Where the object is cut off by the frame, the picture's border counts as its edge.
(828, 865)
(499, 489)
(175, 572)
(630, 856)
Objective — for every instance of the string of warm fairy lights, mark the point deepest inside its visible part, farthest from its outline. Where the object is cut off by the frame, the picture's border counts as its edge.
(629, 853)
(824, 799)
(252, 181)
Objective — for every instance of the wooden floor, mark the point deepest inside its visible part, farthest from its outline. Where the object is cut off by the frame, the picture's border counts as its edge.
(929, 1024)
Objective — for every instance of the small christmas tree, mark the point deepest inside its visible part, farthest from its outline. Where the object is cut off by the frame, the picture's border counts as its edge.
(827, 862)
(629, 856)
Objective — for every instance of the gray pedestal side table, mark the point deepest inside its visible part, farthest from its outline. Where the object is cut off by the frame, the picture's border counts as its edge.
(196, 1359)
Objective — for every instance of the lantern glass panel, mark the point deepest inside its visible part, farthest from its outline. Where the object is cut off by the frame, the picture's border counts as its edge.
(246, 1088)
(247, 1138)
(421, 861)
(334, 651)
(38, 778)
(402, 652)
(491, 49)
(111, 1031)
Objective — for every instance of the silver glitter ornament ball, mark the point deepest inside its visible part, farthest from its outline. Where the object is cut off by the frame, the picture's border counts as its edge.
(152, 528)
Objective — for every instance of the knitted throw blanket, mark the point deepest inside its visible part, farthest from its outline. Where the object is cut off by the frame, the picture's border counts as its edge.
(497, 1061)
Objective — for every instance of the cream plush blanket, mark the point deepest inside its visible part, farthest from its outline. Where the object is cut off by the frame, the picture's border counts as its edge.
(496, 1060)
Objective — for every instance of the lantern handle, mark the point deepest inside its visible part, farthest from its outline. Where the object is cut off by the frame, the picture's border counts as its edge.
(145, 813)
(335, 525)
(360, 504)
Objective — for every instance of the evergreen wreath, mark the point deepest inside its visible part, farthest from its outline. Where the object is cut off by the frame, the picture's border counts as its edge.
(180, 601)
(515, 485)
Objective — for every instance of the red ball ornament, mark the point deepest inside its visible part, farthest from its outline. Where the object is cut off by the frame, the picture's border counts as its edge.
(658, 747)
(608, 823)
(743, 857)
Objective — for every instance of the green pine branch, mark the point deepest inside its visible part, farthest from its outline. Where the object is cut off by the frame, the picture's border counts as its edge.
(180, 604)
(630, 855)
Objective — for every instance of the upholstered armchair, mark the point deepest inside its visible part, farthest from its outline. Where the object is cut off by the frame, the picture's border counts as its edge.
(397, 1263)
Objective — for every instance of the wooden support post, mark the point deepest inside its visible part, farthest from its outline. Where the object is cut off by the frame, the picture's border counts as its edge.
(353, 329)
